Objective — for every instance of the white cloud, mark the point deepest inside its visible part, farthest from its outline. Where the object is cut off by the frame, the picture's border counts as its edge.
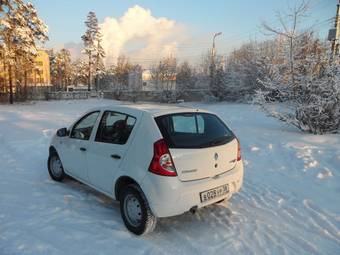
(140, 36)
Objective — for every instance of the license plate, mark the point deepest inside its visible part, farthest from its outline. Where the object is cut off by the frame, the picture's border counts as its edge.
(213, 193)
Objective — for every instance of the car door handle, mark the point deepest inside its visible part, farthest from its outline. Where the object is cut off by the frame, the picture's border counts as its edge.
(115, 156)
(82, 149)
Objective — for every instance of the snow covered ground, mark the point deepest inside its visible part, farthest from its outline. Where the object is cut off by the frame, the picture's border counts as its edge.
(289, 204)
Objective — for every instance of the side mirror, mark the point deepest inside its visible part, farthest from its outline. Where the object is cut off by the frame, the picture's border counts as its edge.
(62, 132)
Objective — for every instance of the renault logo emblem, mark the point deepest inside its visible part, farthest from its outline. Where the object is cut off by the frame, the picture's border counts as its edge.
(216, 156)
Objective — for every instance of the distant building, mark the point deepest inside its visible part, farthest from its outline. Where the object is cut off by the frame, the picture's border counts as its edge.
(149, 84)
(39, 75)
(135, 79)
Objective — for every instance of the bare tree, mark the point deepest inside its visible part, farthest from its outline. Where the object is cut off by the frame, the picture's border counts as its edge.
(121, 72)
(164, 74)
(289, 30)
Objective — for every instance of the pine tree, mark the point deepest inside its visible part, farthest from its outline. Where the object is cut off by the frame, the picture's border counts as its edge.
(99, 57)
(185, 80)
(92, 48)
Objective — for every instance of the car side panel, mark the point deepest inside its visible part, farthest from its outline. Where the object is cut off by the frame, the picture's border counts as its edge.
(140, 153)
(103, 169)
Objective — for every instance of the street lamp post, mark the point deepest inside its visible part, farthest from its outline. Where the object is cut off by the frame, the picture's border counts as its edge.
(213, 47)
(212, 62)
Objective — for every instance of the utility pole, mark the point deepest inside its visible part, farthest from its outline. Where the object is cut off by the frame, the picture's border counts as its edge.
(335, 32)
(212, 61)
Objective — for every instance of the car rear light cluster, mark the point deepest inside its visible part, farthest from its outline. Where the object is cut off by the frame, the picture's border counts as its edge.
(162, 163)
(238, 150)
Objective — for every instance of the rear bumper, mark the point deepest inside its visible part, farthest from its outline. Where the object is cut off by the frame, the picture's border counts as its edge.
(168, 196)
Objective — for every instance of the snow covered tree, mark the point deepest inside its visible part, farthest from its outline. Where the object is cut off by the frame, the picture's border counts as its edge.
(99, 58)
(289, 32)
(20, 31)
(164, 75)
(92, 48)
(305, 78)
(61, 69)
(121, 72)
(312, 100)
(244, 67)
(219, 84)
(185, 79)
(107, 80)
(80, 72)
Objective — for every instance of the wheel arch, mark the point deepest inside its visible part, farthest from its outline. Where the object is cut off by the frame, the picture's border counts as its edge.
(122, 182)
(52, 149)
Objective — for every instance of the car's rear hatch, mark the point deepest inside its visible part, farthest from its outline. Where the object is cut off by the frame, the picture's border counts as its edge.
(201, 145)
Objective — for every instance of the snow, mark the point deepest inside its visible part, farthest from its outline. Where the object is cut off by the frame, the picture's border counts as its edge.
(289, 203)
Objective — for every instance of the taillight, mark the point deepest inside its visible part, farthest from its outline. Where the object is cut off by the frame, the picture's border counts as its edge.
(162, 163)
(238, 150)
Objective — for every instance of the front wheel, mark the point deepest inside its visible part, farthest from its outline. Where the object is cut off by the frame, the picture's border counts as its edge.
(55, 167)
(135, 211)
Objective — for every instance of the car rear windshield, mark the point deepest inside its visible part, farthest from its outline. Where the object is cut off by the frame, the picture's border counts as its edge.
(193, 130)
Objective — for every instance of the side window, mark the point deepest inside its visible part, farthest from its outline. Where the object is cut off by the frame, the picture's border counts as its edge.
(115, 128)
(83, 128)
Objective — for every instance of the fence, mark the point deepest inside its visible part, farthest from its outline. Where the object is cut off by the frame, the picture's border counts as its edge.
(158, 95)
(62, 95)
(45, 93)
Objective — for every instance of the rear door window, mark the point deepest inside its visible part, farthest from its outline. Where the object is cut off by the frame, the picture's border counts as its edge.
(193, 130)
(115, 128)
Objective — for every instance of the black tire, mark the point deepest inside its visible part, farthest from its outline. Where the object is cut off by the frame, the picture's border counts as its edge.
(57, 177)
(148, 221)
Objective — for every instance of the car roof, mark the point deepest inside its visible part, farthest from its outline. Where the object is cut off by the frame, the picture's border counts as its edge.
(152, 109)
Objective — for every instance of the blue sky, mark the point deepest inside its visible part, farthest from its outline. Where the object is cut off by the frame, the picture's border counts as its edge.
(239, 20)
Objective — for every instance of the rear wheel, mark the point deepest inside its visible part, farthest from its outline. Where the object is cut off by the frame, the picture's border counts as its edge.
(55, 167)
(135, 211)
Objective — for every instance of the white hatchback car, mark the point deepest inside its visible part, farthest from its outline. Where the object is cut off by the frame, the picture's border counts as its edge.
(157, 160)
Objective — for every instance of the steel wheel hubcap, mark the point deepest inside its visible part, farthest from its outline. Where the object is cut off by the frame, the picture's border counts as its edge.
(56, 166)
(133, 210)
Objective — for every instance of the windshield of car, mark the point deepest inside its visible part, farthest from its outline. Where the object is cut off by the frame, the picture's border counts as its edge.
(193, 130)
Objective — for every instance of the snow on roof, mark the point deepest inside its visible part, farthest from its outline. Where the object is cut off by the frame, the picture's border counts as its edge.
(153, 109)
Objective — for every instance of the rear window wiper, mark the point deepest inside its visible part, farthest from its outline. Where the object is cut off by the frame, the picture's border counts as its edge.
(216, 141)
